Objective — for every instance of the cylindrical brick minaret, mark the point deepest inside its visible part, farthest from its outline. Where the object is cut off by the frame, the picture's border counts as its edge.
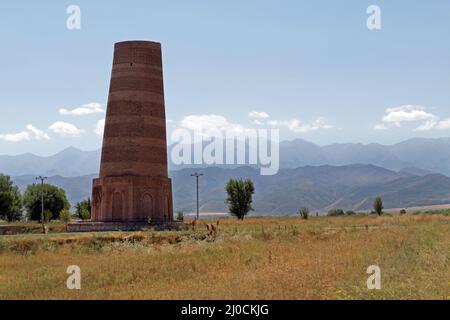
(133, 185)
(135, 130)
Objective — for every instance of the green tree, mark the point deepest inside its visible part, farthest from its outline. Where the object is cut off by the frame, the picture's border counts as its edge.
(240, 197)
(304, 213)
(55, 201)
(378, 206)
(10, 200)
(65, 216)
(83, 209)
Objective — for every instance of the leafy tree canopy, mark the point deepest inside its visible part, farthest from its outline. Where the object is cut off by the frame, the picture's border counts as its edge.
(10, 200)
(55, 200)
(378, 206)
(240, 197)
(304, 213)
(83, 209)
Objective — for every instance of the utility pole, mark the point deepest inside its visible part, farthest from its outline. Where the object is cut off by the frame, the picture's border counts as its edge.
(197, 175)
(42, 202)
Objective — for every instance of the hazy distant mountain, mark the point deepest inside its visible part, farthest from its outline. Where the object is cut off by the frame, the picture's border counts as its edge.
(428, 154)
(77, 188)
(376, 154)
(411, 171)
(408, 192)
(318, 188)
(70, 162)
(418, 155)
(432, 155)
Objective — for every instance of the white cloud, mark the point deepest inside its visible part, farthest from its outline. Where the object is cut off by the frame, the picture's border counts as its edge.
(406, 113)
(380, 126)
(444, 124)
(206, 123)
(65, 129)
(15, 137)
(258, 115)
(100, 127)
(412, 114)
(427, 125)
(37, 134)
(297, 126)
(210, 122)
(31, 133)
(86, 109)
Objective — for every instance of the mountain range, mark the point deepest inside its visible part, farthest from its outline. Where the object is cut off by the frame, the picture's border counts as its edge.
(319, 188)
(430, 155)
(347, 176)
(418, 155)
(70, 162)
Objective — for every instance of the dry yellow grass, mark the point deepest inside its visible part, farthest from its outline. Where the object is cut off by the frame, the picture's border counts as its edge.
(259, 258)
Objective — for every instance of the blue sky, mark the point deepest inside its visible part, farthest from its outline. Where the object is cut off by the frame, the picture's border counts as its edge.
(311, 68)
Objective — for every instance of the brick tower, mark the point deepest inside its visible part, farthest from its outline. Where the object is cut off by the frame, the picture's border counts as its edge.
(133, 185)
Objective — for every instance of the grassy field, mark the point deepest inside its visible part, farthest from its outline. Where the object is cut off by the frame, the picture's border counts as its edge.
(259, 258)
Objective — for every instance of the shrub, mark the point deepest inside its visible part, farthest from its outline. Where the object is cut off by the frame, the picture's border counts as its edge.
(85, 214)
(65, 216)
(180, 216)
(48, 215)
(350, 213)
(336, 212)
(403, 211)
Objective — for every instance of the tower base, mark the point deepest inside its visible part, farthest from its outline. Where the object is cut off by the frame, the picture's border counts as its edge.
(89, 226)
(132, 199)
